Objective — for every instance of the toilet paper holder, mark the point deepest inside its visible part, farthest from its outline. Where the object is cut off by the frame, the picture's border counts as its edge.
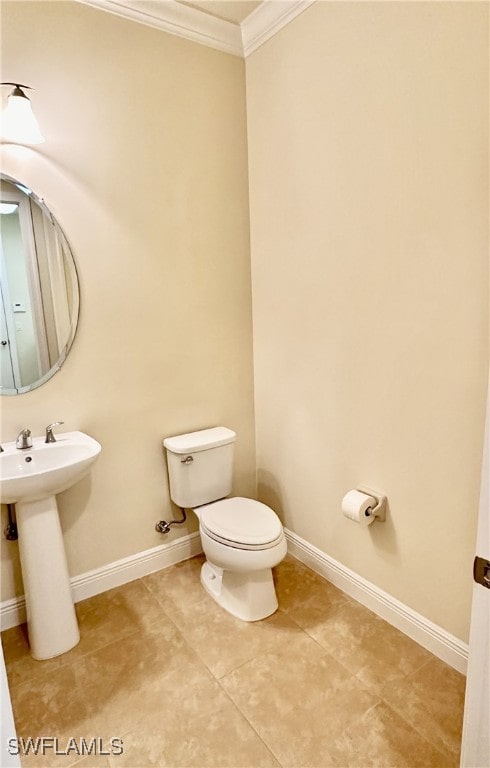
(379, 511)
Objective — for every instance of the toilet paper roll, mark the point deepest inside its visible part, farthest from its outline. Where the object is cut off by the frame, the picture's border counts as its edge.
(357, 505)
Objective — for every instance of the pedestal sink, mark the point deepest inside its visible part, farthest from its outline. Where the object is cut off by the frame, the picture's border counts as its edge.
(30, 478)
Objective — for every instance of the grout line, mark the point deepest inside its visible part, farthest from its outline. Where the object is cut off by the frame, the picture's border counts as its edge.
(244, 717)
(105, 742)
(82, 654)
(216, 679)
(424, 664)
(265, 651)
(235, 669)
(422, 736)
(320, 646)
(444, 751)
(69, 661)
(423, 631)
(182, 635)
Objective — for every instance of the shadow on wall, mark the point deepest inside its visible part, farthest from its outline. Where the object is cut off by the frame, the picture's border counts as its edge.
(383, 535)
(73, 502)
(9, 552)
(268, 492)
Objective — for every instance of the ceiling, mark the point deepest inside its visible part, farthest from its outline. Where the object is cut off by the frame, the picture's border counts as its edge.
(237, 27)
(229, 10)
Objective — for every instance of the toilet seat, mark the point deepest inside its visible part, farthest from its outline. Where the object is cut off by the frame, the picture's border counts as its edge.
(241, 523)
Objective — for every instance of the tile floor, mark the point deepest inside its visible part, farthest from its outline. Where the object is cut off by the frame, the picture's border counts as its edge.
(322, 682)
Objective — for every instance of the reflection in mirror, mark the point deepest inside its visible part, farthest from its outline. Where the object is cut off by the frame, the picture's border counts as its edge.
(39, 297)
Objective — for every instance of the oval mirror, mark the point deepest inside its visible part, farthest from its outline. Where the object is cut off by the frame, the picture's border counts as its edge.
(39, 296)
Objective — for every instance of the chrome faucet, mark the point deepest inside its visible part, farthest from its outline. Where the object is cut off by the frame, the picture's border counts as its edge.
(24, 439)
(50, 438)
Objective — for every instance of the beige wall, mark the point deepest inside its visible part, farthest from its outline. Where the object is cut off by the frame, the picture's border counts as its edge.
(145, 168)
(368, 164)
(368, 157)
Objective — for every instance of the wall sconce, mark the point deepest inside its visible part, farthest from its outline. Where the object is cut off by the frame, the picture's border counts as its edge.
(6, 208)
(18, 123)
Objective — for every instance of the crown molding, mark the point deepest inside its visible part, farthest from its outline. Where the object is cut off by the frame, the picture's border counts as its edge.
(268, 19)
(177, 19)
(190, 23)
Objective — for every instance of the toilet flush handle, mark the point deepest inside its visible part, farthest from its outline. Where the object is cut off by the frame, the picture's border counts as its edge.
(187, 460)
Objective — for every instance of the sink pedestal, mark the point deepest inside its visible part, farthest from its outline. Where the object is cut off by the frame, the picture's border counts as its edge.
(51, 618)
(30, 478)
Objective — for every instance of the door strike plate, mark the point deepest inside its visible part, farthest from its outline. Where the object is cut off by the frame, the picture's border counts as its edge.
(481, 571)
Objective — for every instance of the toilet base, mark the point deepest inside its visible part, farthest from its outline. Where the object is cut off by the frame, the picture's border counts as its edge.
(250, 596)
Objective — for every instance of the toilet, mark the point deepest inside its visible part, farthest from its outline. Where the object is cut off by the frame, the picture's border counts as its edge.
(242, 539)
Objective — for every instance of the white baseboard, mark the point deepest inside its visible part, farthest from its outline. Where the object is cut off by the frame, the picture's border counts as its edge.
(13, 612)
(427, 634)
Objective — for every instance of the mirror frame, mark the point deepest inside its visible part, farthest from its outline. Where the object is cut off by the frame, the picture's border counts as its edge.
(74, 281)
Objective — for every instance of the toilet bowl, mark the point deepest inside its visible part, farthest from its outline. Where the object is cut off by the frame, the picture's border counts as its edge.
(242, 539)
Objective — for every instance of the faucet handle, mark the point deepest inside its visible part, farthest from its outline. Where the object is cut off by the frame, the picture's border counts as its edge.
(50, 438)
(24, 439)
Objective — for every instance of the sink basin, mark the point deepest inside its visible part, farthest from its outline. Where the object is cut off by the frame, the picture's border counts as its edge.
(30, 478)
(45, 469)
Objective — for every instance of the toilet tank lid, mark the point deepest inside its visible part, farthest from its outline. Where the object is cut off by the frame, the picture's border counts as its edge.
(200, 441)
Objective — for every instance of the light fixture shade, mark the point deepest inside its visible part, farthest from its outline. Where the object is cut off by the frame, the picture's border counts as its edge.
(6, 208)
(18, 123)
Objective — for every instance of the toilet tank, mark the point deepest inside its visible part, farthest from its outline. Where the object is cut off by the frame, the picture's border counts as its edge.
(200, 466)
